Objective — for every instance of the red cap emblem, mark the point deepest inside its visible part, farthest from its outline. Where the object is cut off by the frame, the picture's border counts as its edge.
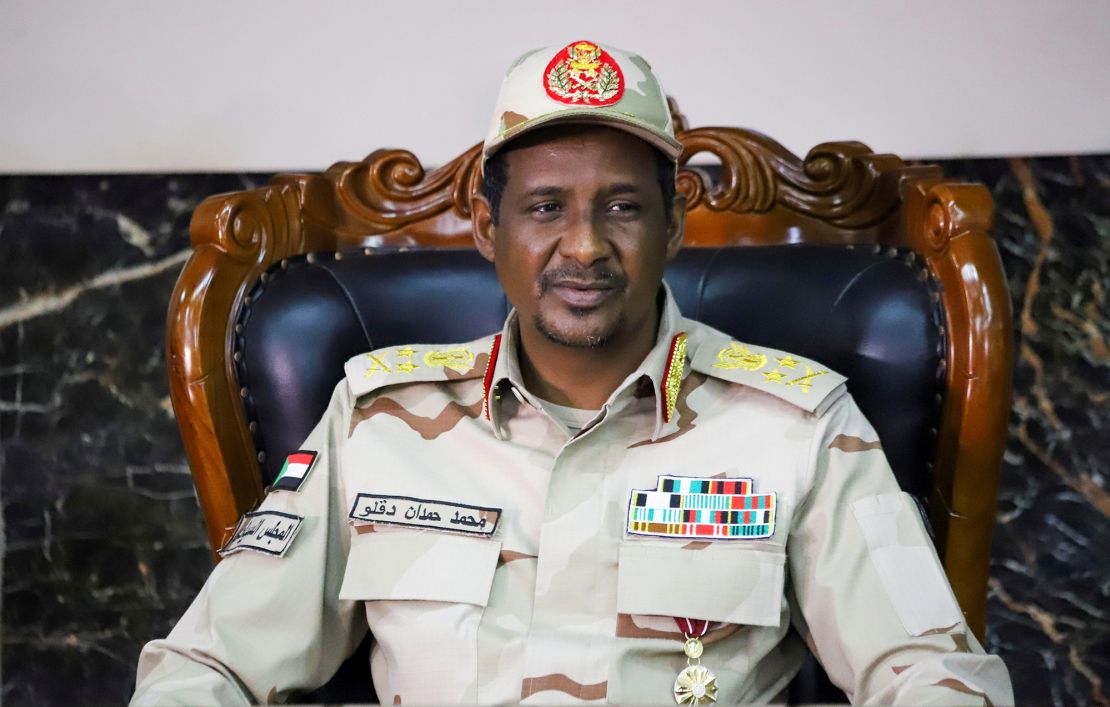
(584, 74)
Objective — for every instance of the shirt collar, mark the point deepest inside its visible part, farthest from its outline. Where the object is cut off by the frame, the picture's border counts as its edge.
(653, 371)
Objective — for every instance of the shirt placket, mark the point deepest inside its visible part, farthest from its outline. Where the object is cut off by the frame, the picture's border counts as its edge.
(569, 643)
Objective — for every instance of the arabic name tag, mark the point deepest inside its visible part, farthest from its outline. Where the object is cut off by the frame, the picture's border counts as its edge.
(424, 513)
(268, 532)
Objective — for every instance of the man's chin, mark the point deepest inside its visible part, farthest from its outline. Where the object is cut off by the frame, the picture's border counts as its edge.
(579, 334)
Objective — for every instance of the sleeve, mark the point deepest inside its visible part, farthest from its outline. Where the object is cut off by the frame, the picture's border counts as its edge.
(264, 626)
(869, 592)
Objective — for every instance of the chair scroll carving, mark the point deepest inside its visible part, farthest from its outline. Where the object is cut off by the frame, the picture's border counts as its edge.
(390, 188)
(249, 225)
(842, 183)
(390, 198)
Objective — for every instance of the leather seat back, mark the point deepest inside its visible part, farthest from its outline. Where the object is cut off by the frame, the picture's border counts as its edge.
(869, 314)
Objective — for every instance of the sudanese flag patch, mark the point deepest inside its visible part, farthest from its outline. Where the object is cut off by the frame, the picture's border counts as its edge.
(584, 74)
(295, 470)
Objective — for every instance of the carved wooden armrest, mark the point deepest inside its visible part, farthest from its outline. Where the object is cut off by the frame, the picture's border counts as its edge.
(235, 238)
(949, 225)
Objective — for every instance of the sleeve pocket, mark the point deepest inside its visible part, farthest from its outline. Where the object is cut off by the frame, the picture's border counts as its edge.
(420, 566)
(722, 582)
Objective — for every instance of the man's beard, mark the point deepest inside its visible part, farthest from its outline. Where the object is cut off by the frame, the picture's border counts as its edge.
(579, 340)
(587, 339)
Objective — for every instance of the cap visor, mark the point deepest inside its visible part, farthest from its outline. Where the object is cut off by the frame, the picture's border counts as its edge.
(669, 146)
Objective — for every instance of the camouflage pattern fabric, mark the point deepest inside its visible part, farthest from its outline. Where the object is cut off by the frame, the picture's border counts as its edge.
(534, 591)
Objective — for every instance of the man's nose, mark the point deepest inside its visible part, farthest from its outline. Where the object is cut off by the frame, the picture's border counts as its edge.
(584, 240)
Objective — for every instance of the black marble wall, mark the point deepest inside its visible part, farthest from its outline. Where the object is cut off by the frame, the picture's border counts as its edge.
(105, 541)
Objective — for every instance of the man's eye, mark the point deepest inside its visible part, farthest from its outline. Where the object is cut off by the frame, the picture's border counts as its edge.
(624, 207)
(547, 207)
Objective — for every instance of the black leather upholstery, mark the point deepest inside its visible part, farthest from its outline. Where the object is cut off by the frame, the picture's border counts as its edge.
(308, 318)
(869, 314)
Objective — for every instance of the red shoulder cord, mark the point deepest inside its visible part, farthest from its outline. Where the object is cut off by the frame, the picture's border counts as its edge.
(488, 381)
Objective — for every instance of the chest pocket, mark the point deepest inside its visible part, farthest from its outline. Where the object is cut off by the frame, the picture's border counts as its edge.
(425, 594)
(420, 566)
(724, 582)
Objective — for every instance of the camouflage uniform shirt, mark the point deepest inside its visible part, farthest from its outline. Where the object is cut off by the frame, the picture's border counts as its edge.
(496, 557)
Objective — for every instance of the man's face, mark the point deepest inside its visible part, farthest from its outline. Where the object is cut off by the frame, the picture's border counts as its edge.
(582, 235)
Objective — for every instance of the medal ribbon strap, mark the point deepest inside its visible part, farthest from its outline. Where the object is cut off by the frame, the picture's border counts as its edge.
(692, 627)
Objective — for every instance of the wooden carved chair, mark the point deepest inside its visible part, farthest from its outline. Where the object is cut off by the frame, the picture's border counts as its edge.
(883, 271)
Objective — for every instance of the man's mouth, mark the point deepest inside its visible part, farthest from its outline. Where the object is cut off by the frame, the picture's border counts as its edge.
(582, 287)
(583, 294)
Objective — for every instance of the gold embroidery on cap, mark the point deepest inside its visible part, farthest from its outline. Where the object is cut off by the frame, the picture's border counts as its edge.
(583, 73)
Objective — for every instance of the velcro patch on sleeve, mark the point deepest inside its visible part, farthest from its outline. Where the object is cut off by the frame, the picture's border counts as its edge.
(906, 564)
(267, 532)
(424, 513)
(295, 470)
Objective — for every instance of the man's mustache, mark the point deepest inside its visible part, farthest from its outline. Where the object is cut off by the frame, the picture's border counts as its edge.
(578, 275)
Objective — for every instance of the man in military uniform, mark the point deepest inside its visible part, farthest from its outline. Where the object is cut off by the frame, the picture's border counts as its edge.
(605, 501)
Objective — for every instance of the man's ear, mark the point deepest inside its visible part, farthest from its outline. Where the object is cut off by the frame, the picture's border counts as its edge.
(481, 219)
(677, 229)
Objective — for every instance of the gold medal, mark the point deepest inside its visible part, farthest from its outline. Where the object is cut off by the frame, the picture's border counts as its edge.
(693, 648)
(696, 684)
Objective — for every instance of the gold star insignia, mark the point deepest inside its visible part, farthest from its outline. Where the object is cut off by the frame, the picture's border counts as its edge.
(406, 352)
(774, 376)
(787, 362)
(405, 367)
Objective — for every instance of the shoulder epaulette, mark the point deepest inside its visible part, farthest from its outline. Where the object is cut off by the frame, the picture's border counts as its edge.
(416, 363)
(797, 380)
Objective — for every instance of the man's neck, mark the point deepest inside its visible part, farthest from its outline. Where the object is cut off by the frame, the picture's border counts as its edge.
(580, 377)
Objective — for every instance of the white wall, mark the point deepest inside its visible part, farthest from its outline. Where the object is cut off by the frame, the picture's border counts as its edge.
(214, 85)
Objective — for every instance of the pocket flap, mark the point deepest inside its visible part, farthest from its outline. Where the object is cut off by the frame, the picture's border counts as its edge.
(420, 566)
(722, 582)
